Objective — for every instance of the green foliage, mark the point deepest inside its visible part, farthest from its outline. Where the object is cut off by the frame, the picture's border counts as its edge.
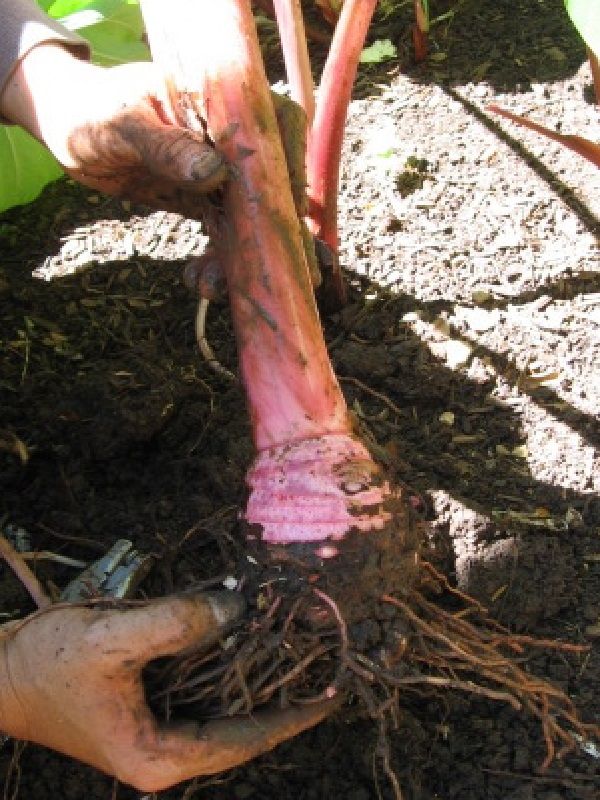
(390, 9)
(585, 15)
(381, 50)
(25, 165)
(114, 29)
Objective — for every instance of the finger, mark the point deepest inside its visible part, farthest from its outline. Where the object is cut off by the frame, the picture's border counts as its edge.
(180, 156)
(240, 740)
(222, 744)
(167, 148)
(167, 626)
(140, 188)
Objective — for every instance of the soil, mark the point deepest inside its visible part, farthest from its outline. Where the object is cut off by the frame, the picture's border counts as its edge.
(468, 353)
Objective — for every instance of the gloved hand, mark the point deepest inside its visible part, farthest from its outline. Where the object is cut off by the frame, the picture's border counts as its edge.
(110, 128)
(70, 679)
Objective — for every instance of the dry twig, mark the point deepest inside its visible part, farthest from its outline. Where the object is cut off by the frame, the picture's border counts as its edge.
(16, 562)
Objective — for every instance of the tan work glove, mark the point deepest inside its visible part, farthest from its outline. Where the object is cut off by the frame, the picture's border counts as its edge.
(70, 679)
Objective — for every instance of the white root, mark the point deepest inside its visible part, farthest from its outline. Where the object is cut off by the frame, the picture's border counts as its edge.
(204, 346)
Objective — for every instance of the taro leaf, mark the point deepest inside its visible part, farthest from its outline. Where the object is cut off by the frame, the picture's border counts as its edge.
(25, 165)
(108, 51)
(114, 29)
(585, 15)
(381, 50)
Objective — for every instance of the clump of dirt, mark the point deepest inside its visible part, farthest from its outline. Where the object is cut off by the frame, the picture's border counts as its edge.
(304, 613)
(364, 562)
(413, 177)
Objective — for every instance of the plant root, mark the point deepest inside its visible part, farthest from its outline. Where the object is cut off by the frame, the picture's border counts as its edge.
(13, 774)
(203, 343)
(414, 645)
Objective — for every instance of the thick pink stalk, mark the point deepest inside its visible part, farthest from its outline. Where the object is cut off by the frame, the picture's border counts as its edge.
(295, 53)
(307, 455)
(292, 391)
(326, 137)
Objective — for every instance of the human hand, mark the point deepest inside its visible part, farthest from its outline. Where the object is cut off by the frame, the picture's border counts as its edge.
(111, 129)
(70, 679)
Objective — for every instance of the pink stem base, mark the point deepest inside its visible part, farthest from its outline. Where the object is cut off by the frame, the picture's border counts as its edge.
(316, 490)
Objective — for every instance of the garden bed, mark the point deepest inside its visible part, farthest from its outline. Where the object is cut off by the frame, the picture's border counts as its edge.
(468, 354)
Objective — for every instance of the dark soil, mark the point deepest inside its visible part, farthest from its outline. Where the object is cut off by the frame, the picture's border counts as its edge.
(469, 355)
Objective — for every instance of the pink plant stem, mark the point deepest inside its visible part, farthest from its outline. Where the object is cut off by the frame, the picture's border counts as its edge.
(292, 391)
(311, 480)
(581, 146)
(326, 137)
(295, 53)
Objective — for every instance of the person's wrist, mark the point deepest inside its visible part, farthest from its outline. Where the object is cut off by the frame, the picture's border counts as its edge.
(33, 96)
(12, 715)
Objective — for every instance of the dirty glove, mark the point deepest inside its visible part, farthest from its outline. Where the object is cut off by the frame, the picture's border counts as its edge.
(110, 128)
(70, 679)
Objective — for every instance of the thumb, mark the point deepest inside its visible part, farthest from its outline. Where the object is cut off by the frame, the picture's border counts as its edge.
(189, 750)
(167, 151)
(171, 625)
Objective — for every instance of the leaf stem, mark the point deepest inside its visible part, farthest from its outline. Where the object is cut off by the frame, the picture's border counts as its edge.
(326, 136)
(581, 146)
(295, 54)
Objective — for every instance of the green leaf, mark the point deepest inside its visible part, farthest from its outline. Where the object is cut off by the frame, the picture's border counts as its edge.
(585, 15)
(381, 50)
(60, 9)
(114, 29)
(108, 52)
(25, 165)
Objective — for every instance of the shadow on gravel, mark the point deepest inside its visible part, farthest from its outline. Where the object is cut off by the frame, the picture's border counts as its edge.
(502, 529)
(587, 217)
(505, 44)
